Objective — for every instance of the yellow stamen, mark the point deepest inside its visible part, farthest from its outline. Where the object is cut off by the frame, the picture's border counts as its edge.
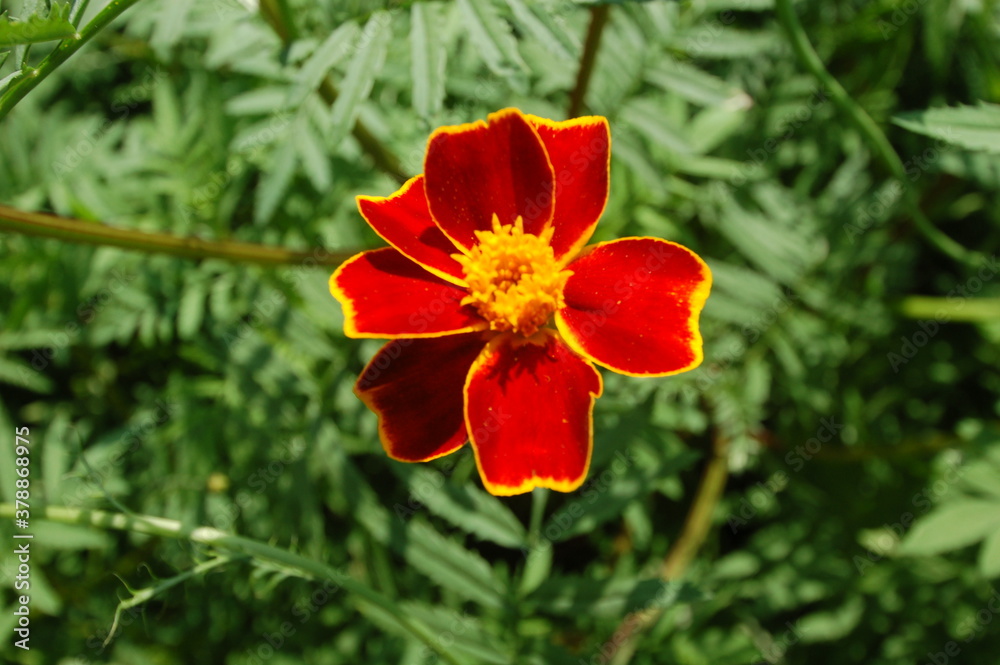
(513, 277)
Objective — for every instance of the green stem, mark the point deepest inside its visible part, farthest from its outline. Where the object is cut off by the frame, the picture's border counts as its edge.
(870, 131)
(93, 233)
(598, 19)
(539, 498)
(277, 15)
(309, 568)
(32, 77)
(970, 310)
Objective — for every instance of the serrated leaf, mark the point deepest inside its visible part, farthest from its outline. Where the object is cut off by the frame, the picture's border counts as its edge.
(972, 127)
(468, 507)
(465, 633)
(492, 37)
(37, 28)
(428, 56)
(451, 565)
(952, 526)
(361, 72)
(315, 161)
(334, 48)
(538, 22)
(696, 85)
(275, 180)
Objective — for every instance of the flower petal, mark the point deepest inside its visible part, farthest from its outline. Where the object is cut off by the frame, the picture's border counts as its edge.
(404, 221)
(385, 294)
(580, 152)
(632, 305)
(528, 410)
(476, 170)
(415, 388)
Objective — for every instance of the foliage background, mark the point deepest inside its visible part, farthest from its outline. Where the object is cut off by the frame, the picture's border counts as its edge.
(851, 380)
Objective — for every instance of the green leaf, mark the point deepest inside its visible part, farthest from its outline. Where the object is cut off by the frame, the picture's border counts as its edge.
(592, 507)
(315, 161)
(334, 48)
(577, 596)
(451, 565)
(696, 85)
(361, 72)
(428, 56)
(275, 180)
(191, 311)
(989, 555)
(953, 526)
(37, 28)
(467, 507)
(18, 373)
(493, 38)
(972, 127)
(538, 22)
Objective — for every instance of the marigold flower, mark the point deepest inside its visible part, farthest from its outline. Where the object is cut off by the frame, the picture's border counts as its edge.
(498, 311)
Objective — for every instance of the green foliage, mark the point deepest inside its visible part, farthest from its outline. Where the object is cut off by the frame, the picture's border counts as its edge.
(36, 28)
(971, 127)
(850, 368)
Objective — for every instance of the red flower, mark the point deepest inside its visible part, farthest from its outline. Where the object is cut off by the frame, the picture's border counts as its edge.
(487, 252)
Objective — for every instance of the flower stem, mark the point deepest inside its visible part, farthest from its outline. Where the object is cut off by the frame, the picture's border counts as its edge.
(94, 233)
(309, 568)
(870, 132)
(598, 19)
(30, 78)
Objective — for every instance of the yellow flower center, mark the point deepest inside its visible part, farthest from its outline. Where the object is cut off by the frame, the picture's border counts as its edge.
(513, 277)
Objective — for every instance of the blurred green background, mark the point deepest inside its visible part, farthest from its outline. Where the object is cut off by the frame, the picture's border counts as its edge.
(849, 398)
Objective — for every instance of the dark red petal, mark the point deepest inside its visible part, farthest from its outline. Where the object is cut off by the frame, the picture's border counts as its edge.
(385, 294)
(528, 411)
(415, 386)
(580, 152)
(404, 221)
(632, 305)
(476, 170)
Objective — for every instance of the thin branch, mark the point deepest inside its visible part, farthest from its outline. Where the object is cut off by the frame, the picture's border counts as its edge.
(598, 19)
(277, 15)
(870, 131)
(696, 528)
(93, 233)
(309, 568)
(32, 77)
